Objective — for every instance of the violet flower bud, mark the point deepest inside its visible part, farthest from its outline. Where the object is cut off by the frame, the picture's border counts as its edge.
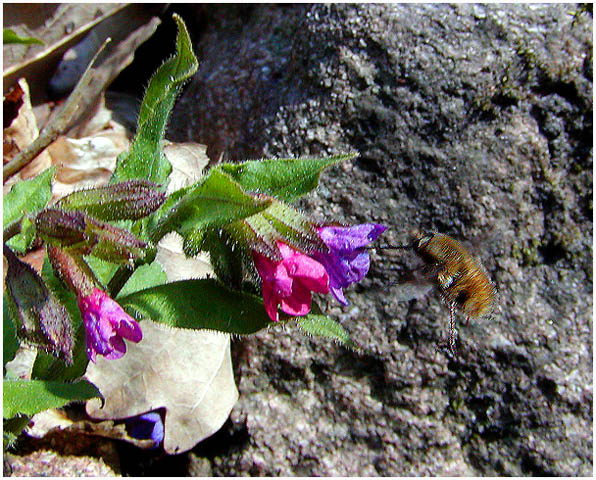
(40, 318)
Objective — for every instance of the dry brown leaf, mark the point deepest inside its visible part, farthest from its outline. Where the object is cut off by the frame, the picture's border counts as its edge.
(88, 161)
(59, 26)
(55, 419)
(21, 132)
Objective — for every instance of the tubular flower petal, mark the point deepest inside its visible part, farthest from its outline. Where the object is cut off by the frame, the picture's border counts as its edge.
(347, 261)
(106, 325)
(289, 282)
(146, 426)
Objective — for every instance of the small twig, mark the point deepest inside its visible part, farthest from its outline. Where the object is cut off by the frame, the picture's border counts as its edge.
(119, 279)
(60, 124)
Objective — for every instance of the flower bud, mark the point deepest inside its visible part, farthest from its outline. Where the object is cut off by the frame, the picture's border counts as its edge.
(59, 227)
(129, 200)
(112, 243)
(40, 319)
(87, 236)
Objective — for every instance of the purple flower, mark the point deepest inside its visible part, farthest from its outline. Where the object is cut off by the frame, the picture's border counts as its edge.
(106, 325)
(347, 261)
(146, 426)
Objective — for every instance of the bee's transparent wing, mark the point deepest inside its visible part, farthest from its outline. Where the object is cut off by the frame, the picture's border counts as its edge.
(414, 284)
(410, 290)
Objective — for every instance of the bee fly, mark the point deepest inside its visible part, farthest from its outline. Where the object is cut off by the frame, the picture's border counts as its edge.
(459, 277)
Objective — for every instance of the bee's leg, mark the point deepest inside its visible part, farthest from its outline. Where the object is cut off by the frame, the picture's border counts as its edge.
(452, 329)
(449, 343)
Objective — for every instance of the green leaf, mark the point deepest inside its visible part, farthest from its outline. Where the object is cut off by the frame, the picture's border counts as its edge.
(214, 202)
(286, 179)
(10, 343)
(145, 276)
(23, 242)
(33, 396)
(196, 304)
(9, 36)
(102, 269)
(321, 325)
(145, 159)
(26, 198)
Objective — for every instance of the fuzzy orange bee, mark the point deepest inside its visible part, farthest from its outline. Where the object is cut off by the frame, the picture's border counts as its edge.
(459, 277)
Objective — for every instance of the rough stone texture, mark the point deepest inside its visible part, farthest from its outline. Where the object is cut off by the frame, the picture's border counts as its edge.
(474, 120)
(61, 454)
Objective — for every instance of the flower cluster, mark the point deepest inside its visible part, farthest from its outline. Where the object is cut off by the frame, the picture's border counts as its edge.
(288, 283)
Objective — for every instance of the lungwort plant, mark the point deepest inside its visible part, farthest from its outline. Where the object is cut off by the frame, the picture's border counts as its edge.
(268, 258)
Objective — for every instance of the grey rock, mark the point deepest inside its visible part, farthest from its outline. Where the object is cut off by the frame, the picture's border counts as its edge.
(473, 120)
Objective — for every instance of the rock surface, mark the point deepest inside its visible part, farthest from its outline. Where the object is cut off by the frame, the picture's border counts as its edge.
(473, 120)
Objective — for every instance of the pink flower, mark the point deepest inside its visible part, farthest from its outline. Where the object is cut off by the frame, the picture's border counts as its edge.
(289, 282)
(106, 325)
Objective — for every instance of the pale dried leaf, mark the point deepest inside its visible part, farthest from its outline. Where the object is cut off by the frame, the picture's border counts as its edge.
(176, 265)
(189, 373)
(188, 162)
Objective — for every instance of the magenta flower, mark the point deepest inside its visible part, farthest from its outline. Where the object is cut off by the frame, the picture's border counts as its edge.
(347, 261)
(289, 282)
(106, 325)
